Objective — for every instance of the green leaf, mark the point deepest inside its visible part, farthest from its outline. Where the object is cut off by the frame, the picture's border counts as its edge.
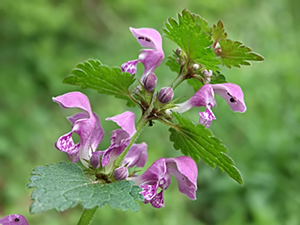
(218, 78)
(198, 142)
(173, 64)
(190, 34)
(62, 186)
(195, 83)
(218, 32)
(234, 53)
(106, 80)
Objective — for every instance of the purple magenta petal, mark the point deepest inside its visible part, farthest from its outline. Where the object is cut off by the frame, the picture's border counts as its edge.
(137, 155)
(14, 219)
(111, 154)
(203, 97)
(130, 66)
(206, 117)
(66, 144)
(119, 137)
(147, 37)
(97, 133)
(153, 174)
(149, 191)
(151, 59)
(125, 121)
(74, 100)
(86, 124)
(77, 116)
(121, 173)
(233, 95)
(185, 170)
(158, 200)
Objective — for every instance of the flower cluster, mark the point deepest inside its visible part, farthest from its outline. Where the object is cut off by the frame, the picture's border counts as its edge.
(120, 160)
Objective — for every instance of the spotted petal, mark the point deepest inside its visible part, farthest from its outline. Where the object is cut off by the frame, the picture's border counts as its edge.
(233, 95)
(14, 219)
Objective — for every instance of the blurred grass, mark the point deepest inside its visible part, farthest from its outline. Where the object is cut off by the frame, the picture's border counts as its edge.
(42, 40)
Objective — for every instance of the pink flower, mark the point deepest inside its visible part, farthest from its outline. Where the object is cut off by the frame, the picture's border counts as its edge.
(232, 93)
(86, 124)
(150, 58)
(158, 175)
(120, 138)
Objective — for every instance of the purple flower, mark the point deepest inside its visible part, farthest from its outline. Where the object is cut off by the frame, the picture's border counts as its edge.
(150, 58)
(86, 124)
(120, 139)
(14, 219)
(232, 93)
(158, 176)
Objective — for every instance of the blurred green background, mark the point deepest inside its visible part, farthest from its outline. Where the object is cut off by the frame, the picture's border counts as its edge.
(42, 40)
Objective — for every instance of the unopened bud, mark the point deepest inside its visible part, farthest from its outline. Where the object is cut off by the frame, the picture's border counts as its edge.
(196, 66)
(95, 161)
(165, 94)
(178, 51)
(121, 173)
(207, 73)
(150, 82)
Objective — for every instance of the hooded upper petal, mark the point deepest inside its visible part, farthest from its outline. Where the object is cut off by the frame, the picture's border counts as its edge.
(233, 95)
(86, 124)
(147, 37)
(125, 121)
(184, 169)
(14, 219)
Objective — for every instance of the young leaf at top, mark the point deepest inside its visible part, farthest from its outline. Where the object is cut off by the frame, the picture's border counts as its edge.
(193, 39)
(106, 80)
(198, 142)
(218, 32)
(62, 186)
(234, 53)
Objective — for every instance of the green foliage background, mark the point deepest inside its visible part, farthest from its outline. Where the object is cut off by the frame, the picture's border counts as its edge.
(42, 40)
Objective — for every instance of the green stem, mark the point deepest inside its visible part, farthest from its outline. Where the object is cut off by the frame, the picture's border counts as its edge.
(139, 127)
(87, 216)
(181, 77)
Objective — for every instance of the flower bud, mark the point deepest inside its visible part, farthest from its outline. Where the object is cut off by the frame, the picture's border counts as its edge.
(95, 161)
(207, 75)
(165, 94)
(121, 173)
(150, 82)
(178, 51)
(196, 66)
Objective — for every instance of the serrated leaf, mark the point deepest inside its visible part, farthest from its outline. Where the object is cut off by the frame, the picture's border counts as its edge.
(61, 186)
(218, 32)
(234, 53)
(192, 39)
(198, 142)
(173, 64)
(106, 80)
